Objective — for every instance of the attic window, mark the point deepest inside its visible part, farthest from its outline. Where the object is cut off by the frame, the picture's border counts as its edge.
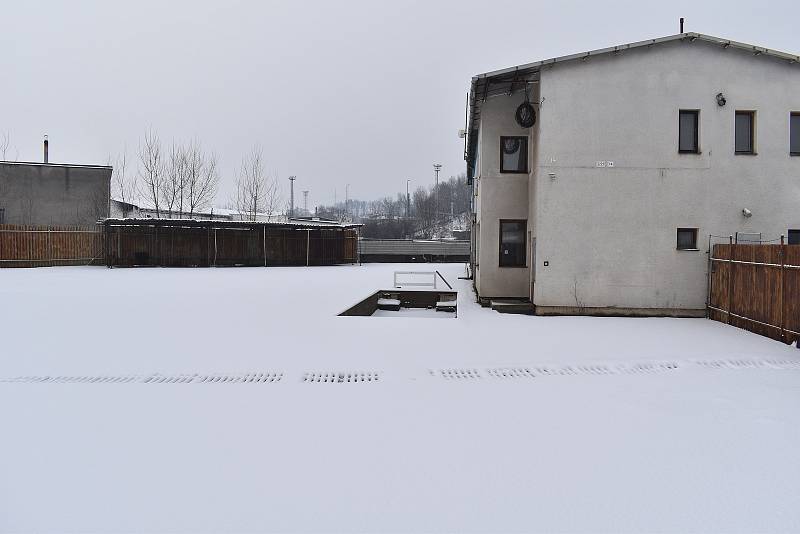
(688, 126)
(794, 134)
(514, 154)
(745, 132)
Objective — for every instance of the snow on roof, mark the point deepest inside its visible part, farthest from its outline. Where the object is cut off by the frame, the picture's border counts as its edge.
(162, 221)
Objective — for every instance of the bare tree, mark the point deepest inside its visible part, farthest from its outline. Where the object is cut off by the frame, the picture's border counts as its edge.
(202, 176)
(151, 171)
(254, 192)
(5, 144)
(174, 178)
(273, 197)
(124, 185)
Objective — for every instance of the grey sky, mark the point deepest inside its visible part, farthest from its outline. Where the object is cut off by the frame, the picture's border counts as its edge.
(365, 93)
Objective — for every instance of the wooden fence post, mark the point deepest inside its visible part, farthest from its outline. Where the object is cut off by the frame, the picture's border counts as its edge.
(308, 247)
(264, 244)
(730, 277)
(780, 296)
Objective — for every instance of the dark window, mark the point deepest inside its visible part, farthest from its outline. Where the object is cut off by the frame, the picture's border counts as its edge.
(512, 243)
(513, 154)
(745, 132)
(794, 134)
(2, 216)
(794, 237)
(687, 238)
(688, 127)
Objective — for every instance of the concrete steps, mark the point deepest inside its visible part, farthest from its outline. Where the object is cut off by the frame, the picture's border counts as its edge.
(521, 307)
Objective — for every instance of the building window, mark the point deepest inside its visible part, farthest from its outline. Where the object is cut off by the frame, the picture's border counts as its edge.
(794, 237)
(514, 154)
(512, 243)
(688, 129)
(794, 134)
(687, 238)
(745, 132)
(2, 216)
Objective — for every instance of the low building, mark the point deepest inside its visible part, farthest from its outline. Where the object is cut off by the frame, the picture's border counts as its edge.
(199, 243)
(53, 194)
(600, 177)
(127, 210)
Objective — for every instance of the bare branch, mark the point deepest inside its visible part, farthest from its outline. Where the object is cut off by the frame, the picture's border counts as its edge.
(124, 186)
(152, 169)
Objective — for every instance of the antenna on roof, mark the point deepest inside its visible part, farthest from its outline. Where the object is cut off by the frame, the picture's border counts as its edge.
(681, 24)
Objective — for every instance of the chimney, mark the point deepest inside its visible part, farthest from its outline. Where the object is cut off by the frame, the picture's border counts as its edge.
(45, 149)
(681, 24)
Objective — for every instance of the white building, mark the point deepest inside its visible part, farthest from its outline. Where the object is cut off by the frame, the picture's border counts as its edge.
(638, 154)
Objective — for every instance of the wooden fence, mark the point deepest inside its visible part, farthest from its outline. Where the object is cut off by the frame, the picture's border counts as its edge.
(45, 246)
(757, 287)
(205, 244)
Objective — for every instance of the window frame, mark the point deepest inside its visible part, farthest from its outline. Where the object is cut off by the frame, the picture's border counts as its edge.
(792, 115)
(696, 113)
(502, 140)
(752, 114)
(685, 229)
(524, 223)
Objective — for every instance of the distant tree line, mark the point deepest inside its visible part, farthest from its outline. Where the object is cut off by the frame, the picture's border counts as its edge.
(405, 217)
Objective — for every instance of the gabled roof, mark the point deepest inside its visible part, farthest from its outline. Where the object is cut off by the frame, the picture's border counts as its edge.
(510, 80)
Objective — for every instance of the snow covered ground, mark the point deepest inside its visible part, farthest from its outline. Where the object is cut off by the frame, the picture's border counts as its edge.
(233, 400)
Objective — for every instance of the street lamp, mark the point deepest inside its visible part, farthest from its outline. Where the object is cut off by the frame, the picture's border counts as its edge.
(408, 200)
(436, 168)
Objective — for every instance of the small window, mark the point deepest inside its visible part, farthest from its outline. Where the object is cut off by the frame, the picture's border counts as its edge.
(745, 132)
(687, 238)
(512, 243)
(688, 128)
(794, 134)
(2, 216)
(514, 154)
(794, 237)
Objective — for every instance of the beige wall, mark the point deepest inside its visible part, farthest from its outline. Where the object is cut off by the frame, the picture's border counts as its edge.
(609, 234)
(500, 196)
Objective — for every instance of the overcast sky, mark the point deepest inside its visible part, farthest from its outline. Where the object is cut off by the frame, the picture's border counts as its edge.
(366, 93)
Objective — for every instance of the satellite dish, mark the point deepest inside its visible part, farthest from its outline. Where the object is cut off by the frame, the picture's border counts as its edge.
(525, 115)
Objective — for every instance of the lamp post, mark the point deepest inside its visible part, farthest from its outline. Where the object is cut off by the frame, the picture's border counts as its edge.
(346, 201)
(436, 168)
(291, 196)
(408, 201)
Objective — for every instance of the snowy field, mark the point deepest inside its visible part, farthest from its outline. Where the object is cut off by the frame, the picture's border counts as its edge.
(196, 400)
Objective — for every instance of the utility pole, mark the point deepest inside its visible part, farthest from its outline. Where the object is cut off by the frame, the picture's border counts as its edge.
(291, 195)
(305, 202)
(436, 168)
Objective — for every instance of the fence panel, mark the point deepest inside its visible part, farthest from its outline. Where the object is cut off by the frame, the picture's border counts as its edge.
(44, 246)
(757, 287)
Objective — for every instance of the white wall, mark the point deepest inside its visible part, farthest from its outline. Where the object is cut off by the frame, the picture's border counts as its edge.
(610, 233)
